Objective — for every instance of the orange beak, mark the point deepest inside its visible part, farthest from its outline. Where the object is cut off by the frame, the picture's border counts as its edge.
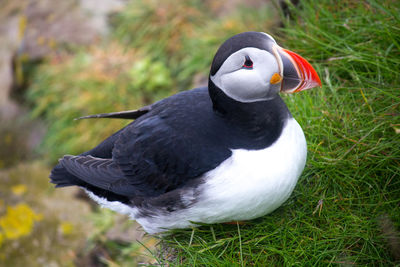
(298, 74)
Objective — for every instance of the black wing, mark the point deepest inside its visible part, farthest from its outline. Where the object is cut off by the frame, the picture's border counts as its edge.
(159, 152)
(156, 157)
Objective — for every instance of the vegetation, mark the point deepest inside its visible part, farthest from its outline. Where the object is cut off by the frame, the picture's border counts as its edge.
(140, 65)
(101, 79)
(351, 181)
(350, 186)
(185, 35)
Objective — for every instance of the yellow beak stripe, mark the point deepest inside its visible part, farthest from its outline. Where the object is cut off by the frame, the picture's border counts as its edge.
(276, 78)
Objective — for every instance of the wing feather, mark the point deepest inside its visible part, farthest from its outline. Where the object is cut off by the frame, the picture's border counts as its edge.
(98, 172)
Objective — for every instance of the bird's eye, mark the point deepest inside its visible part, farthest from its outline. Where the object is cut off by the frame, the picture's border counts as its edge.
(248, 64)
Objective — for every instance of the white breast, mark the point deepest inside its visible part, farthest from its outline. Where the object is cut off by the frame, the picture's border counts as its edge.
(249, 184)
(253, 183)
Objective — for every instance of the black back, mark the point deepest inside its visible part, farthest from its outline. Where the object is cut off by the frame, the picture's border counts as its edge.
(181, 138)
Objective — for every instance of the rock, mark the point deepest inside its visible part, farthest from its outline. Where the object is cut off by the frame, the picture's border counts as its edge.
(8, 46)
(35, 29)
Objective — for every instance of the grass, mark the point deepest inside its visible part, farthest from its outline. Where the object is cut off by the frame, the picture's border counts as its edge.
(351, 181)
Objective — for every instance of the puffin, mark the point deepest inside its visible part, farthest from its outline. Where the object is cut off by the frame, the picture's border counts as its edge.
(230, 151)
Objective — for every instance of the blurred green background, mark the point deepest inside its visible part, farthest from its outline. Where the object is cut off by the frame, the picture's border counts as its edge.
(62, 60)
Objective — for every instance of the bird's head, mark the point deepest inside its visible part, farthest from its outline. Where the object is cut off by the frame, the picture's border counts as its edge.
(251, 66)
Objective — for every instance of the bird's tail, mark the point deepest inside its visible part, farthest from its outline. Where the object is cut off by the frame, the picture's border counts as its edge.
(61, 177)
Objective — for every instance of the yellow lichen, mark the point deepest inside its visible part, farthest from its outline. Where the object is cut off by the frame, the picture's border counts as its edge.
(1, 239)
(66, 228)
(18, 221)
(19, 189)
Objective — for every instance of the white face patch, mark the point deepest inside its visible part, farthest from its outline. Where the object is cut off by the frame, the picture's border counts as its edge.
(248, 84)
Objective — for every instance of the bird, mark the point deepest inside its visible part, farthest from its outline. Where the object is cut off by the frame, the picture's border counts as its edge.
(230, 151)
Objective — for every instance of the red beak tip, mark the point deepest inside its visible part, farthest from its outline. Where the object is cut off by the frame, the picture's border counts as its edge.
(307, 73)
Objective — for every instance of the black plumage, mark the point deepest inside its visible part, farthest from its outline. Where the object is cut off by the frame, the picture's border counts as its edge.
(175, 141)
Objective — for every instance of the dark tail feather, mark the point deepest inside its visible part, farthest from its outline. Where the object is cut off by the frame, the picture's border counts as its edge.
(62, 178)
